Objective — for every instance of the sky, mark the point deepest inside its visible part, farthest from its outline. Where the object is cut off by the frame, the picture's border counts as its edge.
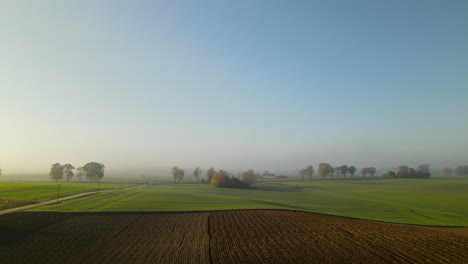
(233, 84)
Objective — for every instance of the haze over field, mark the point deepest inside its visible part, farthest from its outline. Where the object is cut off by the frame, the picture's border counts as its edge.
(238, 84)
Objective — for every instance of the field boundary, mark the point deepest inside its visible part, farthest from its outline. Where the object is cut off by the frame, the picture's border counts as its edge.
(234, 210)
(31, 206)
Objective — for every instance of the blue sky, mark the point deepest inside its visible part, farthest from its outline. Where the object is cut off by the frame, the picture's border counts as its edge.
(233, 84)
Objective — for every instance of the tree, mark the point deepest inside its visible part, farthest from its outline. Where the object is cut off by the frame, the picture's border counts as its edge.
(180, 173)
(336, 171)
(248, 177)
(344, 170)
(310, 171)
(411, 173)
(372, 171)
(364, 171)
(209, 174)
(0, 172)
(94, 171)
(402, 171)
(68, 171)
(80, 173)
(56, 172)
(423, 171)
(219, 179)
(325, 169)
(303, 173)
(222, 179)
(390, 174)
(462, 170)
(352, 170)
(446, 171)
(177, 173)
(196, 173)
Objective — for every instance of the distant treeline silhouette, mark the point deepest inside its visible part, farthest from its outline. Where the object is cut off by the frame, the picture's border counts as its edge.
(93, 171)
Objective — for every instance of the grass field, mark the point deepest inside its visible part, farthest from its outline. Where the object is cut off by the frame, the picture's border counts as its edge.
(38, 192)
(427, 202)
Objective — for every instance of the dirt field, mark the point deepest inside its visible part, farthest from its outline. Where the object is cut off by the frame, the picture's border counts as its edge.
(253, 236)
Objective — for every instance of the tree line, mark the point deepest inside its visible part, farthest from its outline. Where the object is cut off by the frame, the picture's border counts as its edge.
(459, 171)
(403, 171)
(222, 178)
(218, 178)
(325, 169)
(93, 171)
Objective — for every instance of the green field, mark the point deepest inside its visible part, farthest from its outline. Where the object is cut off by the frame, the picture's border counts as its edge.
(38, 192)
(413, 201)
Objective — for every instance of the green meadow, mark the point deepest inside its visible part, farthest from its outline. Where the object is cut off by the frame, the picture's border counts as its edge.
(441, 202)
(39, 192)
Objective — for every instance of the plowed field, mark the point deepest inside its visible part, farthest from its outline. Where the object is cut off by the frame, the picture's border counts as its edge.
(252, 236)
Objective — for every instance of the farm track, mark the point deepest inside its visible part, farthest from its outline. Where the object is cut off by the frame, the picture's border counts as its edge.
(61, 199)
(240, 236)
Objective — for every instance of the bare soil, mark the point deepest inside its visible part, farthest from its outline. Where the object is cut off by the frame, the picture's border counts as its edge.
(241, 236)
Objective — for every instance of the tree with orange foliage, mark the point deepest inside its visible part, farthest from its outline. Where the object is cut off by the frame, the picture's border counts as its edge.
(402, 171)
(325, 169)
(219, 179)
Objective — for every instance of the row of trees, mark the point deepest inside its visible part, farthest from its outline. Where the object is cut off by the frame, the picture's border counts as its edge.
(93, 171)
(223, 180)
(326, 169)
(404, 171)
(462, 170)
(179, 174)
(218, 178)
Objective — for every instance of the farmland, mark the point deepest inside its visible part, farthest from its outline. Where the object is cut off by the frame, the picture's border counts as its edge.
(427, 202)
(252, 236)
(18, 194)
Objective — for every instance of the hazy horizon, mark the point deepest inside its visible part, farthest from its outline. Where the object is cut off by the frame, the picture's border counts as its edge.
(246, 84)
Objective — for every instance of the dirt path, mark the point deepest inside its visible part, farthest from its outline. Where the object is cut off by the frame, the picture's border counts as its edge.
(79, 195)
